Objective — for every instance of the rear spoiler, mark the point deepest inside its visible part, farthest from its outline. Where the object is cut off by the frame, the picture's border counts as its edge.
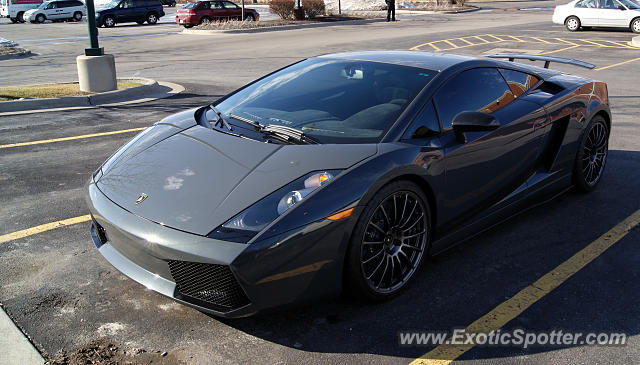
(546, 59)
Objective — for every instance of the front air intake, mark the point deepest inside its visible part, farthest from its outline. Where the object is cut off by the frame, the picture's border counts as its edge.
(207, 285)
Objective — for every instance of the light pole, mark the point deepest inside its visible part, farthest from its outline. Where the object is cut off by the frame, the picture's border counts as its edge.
(96, 70)
(94, 49)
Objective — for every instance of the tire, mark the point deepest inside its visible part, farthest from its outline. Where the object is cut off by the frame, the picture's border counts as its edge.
(20, 17)
(635, 25)
(14, 20)
(572, 23)
(40, 18)
(77, 16)
(108, 21)
(399, 244)
(205, 20)
(591, 158)
(152, 18)
(173, 4)
(140, 22)
(188, 25)
(250, 18)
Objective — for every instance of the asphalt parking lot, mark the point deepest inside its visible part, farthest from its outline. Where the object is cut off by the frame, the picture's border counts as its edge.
(65, 296)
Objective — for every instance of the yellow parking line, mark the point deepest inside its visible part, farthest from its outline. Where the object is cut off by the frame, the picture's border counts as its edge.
(541, 40)
(43, 228)
(493, 36)
(453, 45)
(595, 43)
(43, 141)
(517, 39)
(466, 41)
(560, 50)
(617, 44)
(482, 39)
(567, 42)
(514, 306)
(617, 64)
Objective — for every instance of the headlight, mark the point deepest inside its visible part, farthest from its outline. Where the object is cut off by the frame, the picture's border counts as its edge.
(252, 220)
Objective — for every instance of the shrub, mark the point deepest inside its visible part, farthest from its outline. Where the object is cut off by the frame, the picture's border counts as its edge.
(313, 8)
(283, 8)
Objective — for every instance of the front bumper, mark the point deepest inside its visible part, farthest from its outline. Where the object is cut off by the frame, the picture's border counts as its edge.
(297, 266)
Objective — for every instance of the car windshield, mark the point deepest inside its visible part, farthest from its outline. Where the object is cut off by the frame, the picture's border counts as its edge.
(112, 4)
(190, 5)
(629, 4)
(43, 5)
(331, 100)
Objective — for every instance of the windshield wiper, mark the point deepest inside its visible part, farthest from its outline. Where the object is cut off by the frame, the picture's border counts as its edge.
(257, 125)
(288, 134)
(219, 122)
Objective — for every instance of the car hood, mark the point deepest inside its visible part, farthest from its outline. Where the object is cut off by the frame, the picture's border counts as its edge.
(199, 178)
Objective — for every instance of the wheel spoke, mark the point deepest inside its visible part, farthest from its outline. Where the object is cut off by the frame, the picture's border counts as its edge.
(404, 208)
(415, 234)
(386, 217)
(415, 204)
(378, 228)
(414, 248)
(371, 242)
(377, 267)
(386, 265)
(407, 258)
(372, 257)
(414, 223)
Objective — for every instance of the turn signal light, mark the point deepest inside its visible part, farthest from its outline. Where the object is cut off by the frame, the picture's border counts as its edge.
(341, 215)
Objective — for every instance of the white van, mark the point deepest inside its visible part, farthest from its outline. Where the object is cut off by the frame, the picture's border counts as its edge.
(56, 10)
(15, 9)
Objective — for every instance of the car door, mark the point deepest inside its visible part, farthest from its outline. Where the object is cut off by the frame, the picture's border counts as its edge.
(232, 11)
(65, 8)
(51, 11)
(612, 14)
(490, 164)
(218, 12)
(140, 10)
(125, 11)
(587, 11)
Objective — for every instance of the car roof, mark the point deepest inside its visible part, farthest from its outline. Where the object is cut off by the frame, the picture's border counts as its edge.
(427, 60)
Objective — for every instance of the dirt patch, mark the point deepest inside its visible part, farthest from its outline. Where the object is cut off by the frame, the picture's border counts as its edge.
(104, 351)
(235, 24)
(12, 51)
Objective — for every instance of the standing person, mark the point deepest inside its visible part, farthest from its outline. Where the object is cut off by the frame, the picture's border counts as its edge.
(391, 10)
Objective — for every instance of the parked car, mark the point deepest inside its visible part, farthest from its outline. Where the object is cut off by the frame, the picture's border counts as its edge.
(598, 13)
(170, 3)
(57, 10)
(15, 9)
(125, 11)
(203, 12)
(342, 172)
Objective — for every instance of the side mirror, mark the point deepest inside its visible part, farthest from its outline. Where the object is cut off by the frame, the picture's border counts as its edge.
(473, 122)
(621, 7)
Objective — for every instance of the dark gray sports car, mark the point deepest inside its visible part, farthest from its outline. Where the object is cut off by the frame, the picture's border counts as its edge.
(342, 170)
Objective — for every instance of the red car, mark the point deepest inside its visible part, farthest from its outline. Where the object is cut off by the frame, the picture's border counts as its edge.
(203, 12)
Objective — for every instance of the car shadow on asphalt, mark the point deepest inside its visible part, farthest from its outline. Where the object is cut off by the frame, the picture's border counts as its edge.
(454, 289)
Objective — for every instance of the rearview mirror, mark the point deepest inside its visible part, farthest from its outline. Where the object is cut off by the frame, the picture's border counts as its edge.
(473, 122)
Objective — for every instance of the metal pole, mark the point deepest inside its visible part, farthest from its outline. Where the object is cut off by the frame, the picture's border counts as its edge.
(339, 8)
(242, 9)
(94, 49)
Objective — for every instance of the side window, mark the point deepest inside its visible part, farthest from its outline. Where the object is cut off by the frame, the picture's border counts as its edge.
(425, 125)
(519, 82)
(216, 5)
(229, 5)
(587, 4)
(52, 6)
(608, 4)
(479, 89)
(127, 4)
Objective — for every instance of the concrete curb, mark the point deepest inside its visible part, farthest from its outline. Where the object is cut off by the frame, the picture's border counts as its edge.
(635, 41)
(16, 348)
(151, 90)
